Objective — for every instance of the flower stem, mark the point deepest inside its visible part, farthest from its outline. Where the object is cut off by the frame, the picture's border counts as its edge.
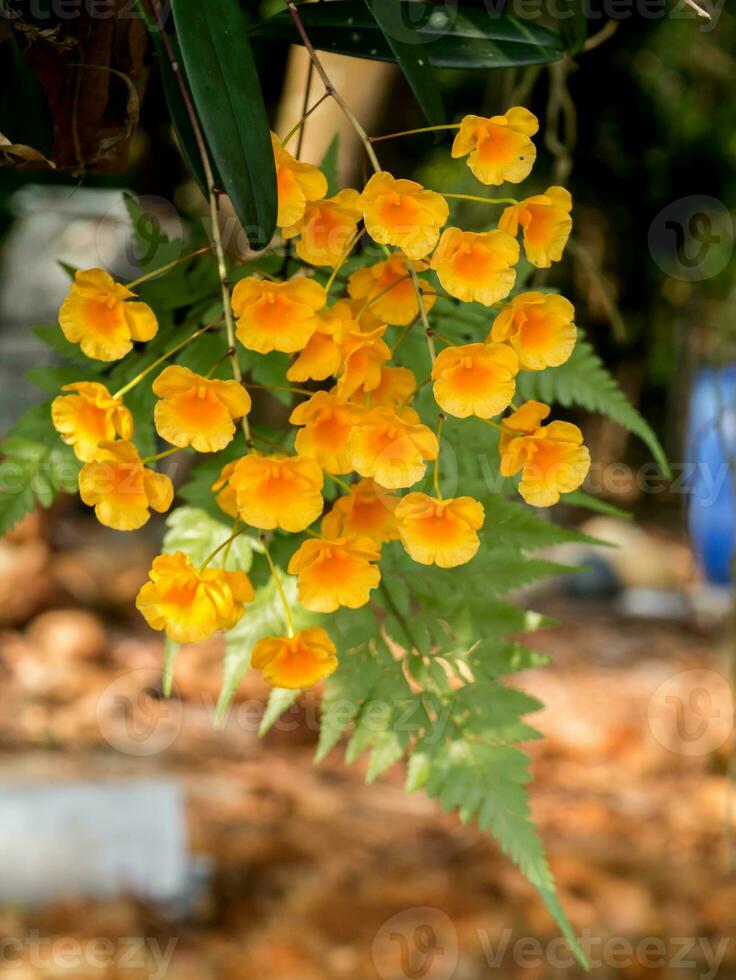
(343, 258)
(341, 483)
(413, 645)
(402, 336)
(493, 425)
(378, 296)
(330, 88)
(412, 395)
(161, 455)
(223, 544)
(436, 480)
(164, 357)
(228, 543)
(411, 132)
(293, 391)
(267, 442)
(295, 129)
(169, 265)
(279, 587)
(423, 314)
(482, 200)
(212, 196)
(218, 362)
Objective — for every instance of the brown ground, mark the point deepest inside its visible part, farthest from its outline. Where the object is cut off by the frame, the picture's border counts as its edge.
(309, 864)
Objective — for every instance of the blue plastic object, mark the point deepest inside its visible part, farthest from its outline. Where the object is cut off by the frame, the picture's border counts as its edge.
(711, 443)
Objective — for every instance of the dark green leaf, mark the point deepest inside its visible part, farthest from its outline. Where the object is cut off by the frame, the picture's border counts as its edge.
(452, 38)
(411, 58)
(579, 498)
(175, 101)
(51, 335)
(222, 76)
(328, 166)
(35, 468)
(573, 24)
(584, 380)
(152, 247)
(52, 379)
(516, 525)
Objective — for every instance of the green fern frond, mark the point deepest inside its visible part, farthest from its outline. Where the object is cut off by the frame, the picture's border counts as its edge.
(583, 380)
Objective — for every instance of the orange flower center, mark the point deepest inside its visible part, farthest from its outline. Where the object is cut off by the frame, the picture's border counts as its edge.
(497, 143)
(474, 376)
(272, 311)
(120, 480)
(199, 409)
(104, 315)
(368, 515)
(91, 420)
(333, 568)
(398, 210)
(332, 428)
(535, 329)
(439, 527)
(550, 457)
(540, 223)
(473, 262)
(285, 180)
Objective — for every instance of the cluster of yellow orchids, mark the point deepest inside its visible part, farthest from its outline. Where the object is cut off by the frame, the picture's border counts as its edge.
(358, 426)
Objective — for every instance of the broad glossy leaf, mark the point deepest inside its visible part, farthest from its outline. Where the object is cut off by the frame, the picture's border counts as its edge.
(411, 59)
(175, 102)
(452, 38)
(219, 67)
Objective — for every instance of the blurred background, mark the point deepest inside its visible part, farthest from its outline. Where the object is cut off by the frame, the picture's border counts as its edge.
(141, 839)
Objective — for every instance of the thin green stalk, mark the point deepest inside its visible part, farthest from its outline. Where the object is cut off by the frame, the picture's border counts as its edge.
(481, 200)
(295, 129)
(164, 357)
(279, 587)
(423, 314)
(218, 549)
(161, 455)
(436, 479)
(343, 258)
(378, 296)
(411, 132)
(402, 336)
(341, 483)
(401, 619)
(289, 388)
(226, 552)
(330, 88)
(169, 265)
